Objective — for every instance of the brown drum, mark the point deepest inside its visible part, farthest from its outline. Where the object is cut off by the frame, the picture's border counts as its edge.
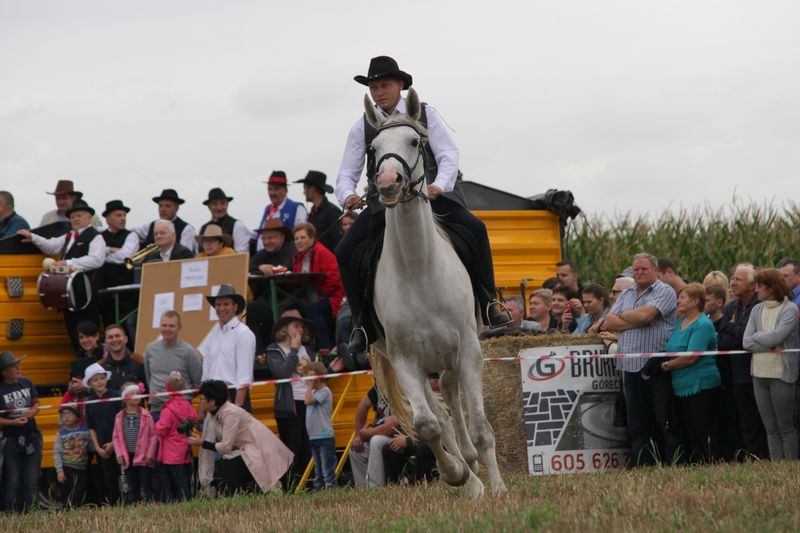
(64, 290)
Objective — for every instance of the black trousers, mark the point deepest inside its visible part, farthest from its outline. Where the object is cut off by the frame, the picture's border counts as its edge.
(481, 273)
(73, 490)
(232, 476)
(653, 424)
(754, 436)
(292, 432)
(394, 463)
(699, 414)
(111, 472)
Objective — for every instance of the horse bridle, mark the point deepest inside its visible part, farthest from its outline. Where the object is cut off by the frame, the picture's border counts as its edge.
(409, 191)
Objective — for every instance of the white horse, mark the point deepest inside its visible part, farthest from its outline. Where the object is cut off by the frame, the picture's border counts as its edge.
(423, 298)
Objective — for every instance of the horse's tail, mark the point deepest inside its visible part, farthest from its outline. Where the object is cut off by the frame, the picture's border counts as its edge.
(389, 387)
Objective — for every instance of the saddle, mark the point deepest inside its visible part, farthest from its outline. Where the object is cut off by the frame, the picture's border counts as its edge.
(364, 262)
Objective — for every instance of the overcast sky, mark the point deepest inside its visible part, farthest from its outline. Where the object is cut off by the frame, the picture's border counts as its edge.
(632, 105)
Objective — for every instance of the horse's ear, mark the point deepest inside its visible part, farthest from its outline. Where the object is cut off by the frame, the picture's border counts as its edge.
(413, 109)
(372, 116)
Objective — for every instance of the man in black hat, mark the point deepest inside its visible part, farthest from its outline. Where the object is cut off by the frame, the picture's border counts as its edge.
(121, 243)
(168, 204)
(324, 214)
(217, 204)
(82, 250)
(386, 81)
(65, 194)
(289, 212)
(229, 349)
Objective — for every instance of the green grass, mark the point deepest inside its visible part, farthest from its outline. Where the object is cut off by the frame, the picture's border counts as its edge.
(755, 496)
(698, 240)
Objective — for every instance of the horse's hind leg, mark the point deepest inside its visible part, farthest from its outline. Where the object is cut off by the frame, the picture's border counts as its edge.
(471, 380)
(448, 382)
(452, 469)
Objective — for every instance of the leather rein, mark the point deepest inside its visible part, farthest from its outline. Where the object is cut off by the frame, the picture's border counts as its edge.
(410, 190)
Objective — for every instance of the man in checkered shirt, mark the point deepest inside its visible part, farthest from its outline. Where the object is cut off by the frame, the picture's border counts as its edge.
(643, 317)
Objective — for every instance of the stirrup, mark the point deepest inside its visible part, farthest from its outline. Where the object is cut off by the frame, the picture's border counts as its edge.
(494, 304)
(352, 340)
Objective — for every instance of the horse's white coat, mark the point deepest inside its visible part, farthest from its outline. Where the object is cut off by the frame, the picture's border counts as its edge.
(424, 300)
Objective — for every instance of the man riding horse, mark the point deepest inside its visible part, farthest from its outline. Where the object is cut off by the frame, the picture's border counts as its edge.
(386, 81)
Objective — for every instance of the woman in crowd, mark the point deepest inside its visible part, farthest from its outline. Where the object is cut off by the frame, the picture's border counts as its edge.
(773, 324)
(695, 380)
(285, 358)
(347, 220)
(20, 438)
(214, 242)
(539, 304)
(596, 304)
(716, 277)
(312, 256)
(564, 310)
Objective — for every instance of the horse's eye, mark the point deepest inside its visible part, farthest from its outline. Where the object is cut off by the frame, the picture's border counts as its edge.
(415, 143)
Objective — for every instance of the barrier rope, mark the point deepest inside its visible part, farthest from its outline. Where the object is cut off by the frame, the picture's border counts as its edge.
(367, 372)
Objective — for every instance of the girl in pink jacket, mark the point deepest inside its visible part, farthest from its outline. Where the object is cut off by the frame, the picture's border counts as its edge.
(134, 440)
(173, 431)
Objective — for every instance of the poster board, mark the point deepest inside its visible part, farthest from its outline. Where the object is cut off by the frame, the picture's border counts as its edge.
(183, 286)
(569, 411)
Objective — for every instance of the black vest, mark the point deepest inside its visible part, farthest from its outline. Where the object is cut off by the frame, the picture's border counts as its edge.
(80, 247)
(431, 168)
(179, 226)
(115, 275)
(226, 223)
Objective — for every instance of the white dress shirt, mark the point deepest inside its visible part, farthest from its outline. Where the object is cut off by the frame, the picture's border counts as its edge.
(129, 247)
(187, 236)
(229, 352)
(91, 261)
(444, 149)
(241, 237)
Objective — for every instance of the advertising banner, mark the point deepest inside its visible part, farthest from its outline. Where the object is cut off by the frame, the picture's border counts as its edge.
(569, 407)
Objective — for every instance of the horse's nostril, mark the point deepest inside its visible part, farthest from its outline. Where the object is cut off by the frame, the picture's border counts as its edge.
(399, 178)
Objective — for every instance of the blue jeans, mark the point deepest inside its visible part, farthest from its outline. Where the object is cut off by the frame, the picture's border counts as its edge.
(324, 453)
(21, 466)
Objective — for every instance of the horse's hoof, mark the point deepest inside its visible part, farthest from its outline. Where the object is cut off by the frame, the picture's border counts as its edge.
(499, 491)
(475, 467)
(473, 488)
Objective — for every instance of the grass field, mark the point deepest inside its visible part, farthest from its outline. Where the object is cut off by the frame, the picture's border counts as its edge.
(756, 496)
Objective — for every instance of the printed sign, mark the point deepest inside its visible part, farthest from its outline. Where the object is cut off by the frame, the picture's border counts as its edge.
(569, 411)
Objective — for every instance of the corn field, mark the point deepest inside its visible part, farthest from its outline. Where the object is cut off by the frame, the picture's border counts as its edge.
(697, 240)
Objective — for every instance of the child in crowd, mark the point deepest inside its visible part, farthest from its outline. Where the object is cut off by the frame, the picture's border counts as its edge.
(319, 402)
(100, 419)
(71, 456)
(173, 431)
(135, 444)
(76, 393)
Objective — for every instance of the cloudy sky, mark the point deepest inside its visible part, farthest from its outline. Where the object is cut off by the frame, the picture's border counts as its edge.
(632, 105)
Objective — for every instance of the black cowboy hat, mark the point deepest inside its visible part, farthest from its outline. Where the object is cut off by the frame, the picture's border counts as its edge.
(217, 194)
(285, 320)
(228, 291)
(66, 187)
(79, 205)
(169, 194)
(384, 67)
(116, 205)
(275, 224)
(316, 179)
(278, 177)
(7, 359)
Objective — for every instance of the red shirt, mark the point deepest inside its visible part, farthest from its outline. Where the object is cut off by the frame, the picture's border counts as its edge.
(323, 260)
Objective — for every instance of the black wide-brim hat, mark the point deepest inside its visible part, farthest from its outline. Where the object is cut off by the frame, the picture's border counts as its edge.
(169, 194)
(384, 67)
(286, 320)
(115, 205)
(7, 359)
(316, 179)
(217, 194)
(79, 205)
(228, 291)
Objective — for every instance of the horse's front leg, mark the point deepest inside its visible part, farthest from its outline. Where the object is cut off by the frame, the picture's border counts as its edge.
(427, 427)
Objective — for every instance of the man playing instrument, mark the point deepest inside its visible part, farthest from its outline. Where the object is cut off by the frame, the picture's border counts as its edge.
(80, 250)
(386, 81)
(121, 243)
(168, 204)
(168, 248)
